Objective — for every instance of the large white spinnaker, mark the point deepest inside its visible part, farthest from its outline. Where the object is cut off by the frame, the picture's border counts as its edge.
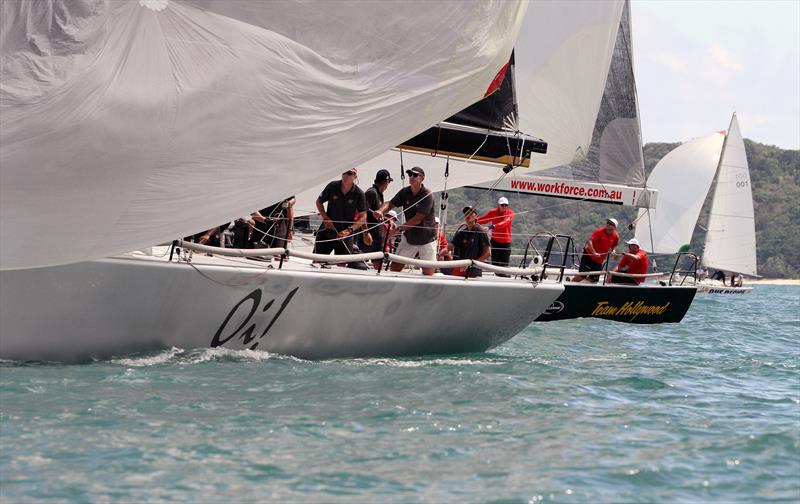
(132, 122)
(682, 179)
(731, 236)
(561, 63)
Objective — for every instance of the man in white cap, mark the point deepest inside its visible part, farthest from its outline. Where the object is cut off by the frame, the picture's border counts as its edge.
(600, 244)
(499, 220)
(634, 261)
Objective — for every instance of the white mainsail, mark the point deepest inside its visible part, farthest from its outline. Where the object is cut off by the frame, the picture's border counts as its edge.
(132, 122)
(731, 236)
(562, 60)
(682, 178)
(611, 170)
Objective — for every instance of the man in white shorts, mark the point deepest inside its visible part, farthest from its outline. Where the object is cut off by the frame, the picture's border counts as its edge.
(419, 231)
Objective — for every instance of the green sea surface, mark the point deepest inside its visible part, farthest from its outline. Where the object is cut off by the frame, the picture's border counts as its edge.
(707, 410)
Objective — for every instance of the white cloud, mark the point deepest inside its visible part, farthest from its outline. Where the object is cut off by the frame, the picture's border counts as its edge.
(671, 61)
(724, 59)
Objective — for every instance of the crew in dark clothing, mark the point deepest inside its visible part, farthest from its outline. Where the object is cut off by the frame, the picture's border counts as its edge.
(274, 225)
(374, 197)
(419, 231)
(470, 242)
(345, 214)
(211, 237)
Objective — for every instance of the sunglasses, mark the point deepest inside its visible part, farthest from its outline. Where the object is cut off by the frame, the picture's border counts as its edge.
(349, 173)
(413, 175)
(503, 204)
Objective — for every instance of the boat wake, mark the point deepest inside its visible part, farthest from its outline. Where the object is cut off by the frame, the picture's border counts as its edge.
(179, 356)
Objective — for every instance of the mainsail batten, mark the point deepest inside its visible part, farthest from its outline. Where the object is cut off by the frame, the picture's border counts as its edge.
(143, 121)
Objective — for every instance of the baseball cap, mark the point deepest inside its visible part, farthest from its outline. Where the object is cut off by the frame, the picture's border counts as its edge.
(502, 201)
(468, 209)
(417, 170)
(383, 175)
(392, 214)
(613, 221)
(633, 241)
(436, 220)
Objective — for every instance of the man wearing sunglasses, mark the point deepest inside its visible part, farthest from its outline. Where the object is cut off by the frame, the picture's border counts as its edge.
(346, 213)
(419, 231)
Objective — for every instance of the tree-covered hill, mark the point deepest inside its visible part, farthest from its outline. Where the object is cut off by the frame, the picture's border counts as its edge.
(775, 177)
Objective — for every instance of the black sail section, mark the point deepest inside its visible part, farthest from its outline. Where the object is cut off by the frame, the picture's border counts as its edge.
(498, 111)
(483, 131)
(615, 153)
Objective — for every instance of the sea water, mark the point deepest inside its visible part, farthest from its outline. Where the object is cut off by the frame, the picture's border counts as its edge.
(572, 411)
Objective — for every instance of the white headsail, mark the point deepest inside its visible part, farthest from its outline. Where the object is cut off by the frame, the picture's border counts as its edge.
(561, 62)
(682, 179)
(731, 236)
(611, 168)
(131, 122)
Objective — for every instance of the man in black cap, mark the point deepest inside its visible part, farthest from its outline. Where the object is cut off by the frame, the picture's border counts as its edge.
(419, 231)
(373, 240)
(470, 242)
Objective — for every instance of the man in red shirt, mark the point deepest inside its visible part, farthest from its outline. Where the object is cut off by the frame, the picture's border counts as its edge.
(499, 220)
(634, 261)
(600, 244)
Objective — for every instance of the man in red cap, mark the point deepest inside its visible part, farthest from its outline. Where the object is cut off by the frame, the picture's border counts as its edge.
(600, 244)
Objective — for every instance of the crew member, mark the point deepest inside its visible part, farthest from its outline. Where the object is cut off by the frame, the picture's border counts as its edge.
(377, 232)
(470, 242)
(499, 220)
(634, 261)
(601, 242)
(345, 214)
(419, 231)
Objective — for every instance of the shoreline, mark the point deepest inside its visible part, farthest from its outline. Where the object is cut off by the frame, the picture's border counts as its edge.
(774, 281)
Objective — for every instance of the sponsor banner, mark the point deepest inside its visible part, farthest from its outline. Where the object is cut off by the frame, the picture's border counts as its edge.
(572, 189)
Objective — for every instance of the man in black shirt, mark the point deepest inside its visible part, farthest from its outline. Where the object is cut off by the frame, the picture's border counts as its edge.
(274, 225)
(346, 213)
(374, 197)
(419, 231)
(470, 242)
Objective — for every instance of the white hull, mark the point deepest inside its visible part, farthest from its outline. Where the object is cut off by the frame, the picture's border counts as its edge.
(717, 287)
(139, 303)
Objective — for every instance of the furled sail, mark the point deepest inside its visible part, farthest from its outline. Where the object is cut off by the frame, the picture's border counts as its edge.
(731, 236)
(558, 72)
(682, 178)
(144, 120)
(612, 169)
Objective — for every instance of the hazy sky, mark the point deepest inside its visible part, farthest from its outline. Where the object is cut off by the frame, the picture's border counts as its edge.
(697, 62)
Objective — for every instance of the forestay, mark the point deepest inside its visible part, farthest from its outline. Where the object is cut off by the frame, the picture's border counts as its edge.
(682, 179)
(133, 122)
(731, 236)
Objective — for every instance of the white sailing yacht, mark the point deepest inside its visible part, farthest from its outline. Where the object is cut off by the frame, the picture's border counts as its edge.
(683, 178)
(145, 120)
(593, 148)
